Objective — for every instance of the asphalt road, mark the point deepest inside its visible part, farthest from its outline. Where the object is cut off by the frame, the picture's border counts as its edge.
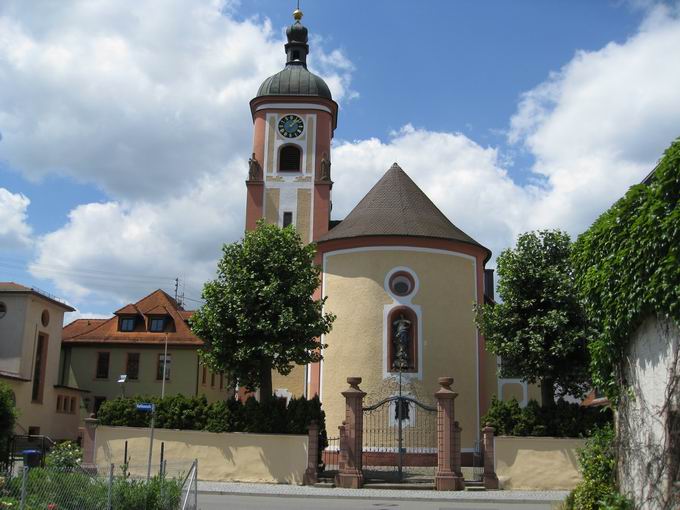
(238, 502)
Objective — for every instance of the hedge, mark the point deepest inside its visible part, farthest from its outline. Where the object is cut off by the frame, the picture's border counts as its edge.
(564, 419)
(272, 416)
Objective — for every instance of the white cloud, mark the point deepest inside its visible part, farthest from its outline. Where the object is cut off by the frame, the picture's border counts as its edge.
(464, 179)
(15, 233)
(594, 127)
(600, 123)
(138, 97)
(135, 248)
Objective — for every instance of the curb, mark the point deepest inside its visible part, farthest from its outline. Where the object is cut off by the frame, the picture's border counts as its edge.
(494, 496)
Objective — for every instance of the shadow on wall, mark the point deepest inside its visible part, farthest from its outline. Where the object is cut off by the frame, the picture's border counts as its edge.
(648, 413)
(235, 456)
(537, 463)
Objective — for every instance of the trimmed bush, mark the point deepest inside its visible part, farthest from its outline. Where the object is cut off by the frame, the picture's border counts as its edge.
(272, 416)
(564, 419)
(66, 455)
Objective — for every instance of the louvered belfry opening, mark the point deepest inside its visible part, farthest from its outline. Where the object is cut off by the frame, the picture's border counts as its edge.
(289, 159)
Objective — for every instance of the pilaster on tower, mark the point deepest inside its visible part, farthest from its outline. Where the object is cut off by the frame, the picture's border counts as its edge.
(294, 117)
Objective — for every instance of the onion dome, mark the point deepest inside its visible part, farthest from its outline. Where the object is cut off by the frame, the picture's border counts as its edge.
(295, 79)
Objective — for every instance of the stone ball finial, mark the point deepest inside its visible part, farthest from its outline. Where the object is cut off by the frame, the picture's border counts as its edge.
(445, 382)
(354, 382)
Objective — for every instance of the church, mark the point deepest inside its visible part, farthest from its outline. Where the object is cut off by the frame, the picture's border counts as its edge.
(401, 278)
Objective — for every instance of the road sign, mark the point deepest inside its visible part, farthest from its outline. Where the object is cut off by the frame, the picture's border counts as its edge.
(145, 407)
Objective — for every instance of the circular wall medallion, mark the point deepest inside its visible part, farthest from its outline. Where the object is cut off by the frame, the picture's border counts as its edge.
(3, 309)
(402, 283)
(45, 318)
(291, 126)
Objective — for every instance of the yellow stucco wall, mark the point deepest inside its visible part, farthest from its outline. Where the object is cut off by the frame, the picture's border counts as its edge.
(537, 463)
(271, 205)
(265, 458)
(512, 390)
(304, 213)
(55, 425)
(184, 373)
(28, 325)
(354, 283)
(293, 382)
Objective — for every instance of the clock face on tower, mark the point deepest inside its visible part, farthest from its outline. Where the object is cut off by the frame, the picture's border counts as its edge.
(291, 126)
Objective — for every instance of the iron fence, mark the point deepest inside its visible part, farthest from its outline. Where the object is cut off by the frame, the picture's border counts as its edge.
(107, 487)
(330, 457)
(400, 437)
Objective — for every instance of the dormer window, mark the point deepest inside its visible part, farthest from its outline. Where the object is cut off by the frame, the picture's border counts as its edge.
(127, 324)
(156, 324)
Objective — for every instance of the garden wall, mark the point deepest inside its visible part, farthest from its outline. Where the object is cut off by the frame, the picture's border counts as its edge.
(649, 412)
(537, 463)
(229, 456)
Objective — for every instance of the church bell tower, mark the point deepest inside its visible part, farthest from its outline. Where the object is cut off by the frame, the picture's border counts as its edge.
(294, 117)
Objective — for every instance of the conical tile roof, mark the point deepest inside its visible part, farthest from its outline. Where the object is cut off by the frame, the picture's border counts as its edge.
(396, 206)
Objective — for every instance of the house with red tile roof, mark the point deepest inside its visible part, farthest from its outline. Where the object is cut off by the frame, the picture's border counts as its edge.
(126, 354)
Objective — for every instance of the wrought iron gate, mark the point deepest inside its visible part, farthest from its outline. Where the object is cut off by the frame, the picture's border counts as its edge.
(399, 437)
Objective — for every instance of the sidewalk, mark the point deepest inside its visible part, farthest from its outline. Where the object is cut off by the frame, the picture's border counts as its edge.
(261, 489)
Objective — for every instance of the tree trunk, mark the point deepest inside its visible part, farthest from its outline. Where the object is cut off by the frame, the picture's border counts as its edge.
(265, 379)
(547, 392)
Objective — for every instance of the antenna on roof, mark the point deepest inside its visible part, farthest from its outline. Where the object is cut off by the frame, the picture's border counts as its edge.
(183, 287)
(176, 287)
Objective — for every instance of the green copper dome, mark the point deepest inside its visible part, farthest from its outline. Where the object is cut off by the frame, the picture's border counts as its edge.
(295, 79)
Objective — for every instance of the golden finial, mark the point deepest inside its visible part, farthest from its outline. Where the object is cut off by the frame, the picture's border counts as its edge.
(297, 14)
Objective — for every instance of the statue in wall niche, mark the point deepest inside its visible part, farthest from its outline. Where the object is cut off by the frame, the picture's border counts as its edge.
(253, 168)
(325, 167)
(402, 338)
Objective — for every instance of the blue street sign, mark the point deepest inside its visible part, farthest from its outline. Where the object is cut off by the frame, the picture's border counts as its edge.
(145, 407)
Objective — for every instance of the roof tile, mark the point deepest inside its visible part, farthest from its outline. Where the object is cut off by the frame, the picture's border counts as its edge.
(396, 206)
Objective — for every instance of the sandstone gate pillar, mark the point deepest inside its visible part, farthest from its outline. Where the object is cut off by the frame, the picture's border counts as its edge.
(448, 476)
(490, 478)
(350, 475)
(89, 442)
(310, 477)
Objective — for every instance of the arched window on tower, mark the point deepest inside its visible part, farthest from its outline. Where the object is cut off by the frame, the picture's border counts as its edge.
(290, 159)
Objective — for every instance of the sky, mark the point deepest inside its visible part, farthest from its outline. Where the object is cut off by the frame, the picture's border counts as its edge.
(125, 127)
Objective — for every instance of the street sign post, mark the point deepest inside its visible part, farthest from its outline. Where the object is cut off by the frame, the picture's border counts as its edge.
(147, 407)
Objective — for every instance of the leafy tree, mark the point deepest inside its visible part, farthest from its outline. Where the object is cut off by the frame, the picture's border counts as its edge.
(539, 328)
(260, 313)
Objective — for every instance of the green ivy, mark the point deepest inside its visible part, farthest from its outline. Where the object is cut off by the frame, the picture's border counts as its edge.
(628, 268)
(597, 461)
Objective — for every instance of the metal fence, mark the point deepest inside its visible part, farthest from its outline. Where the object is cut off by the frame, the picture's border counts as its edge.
(100, 488)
